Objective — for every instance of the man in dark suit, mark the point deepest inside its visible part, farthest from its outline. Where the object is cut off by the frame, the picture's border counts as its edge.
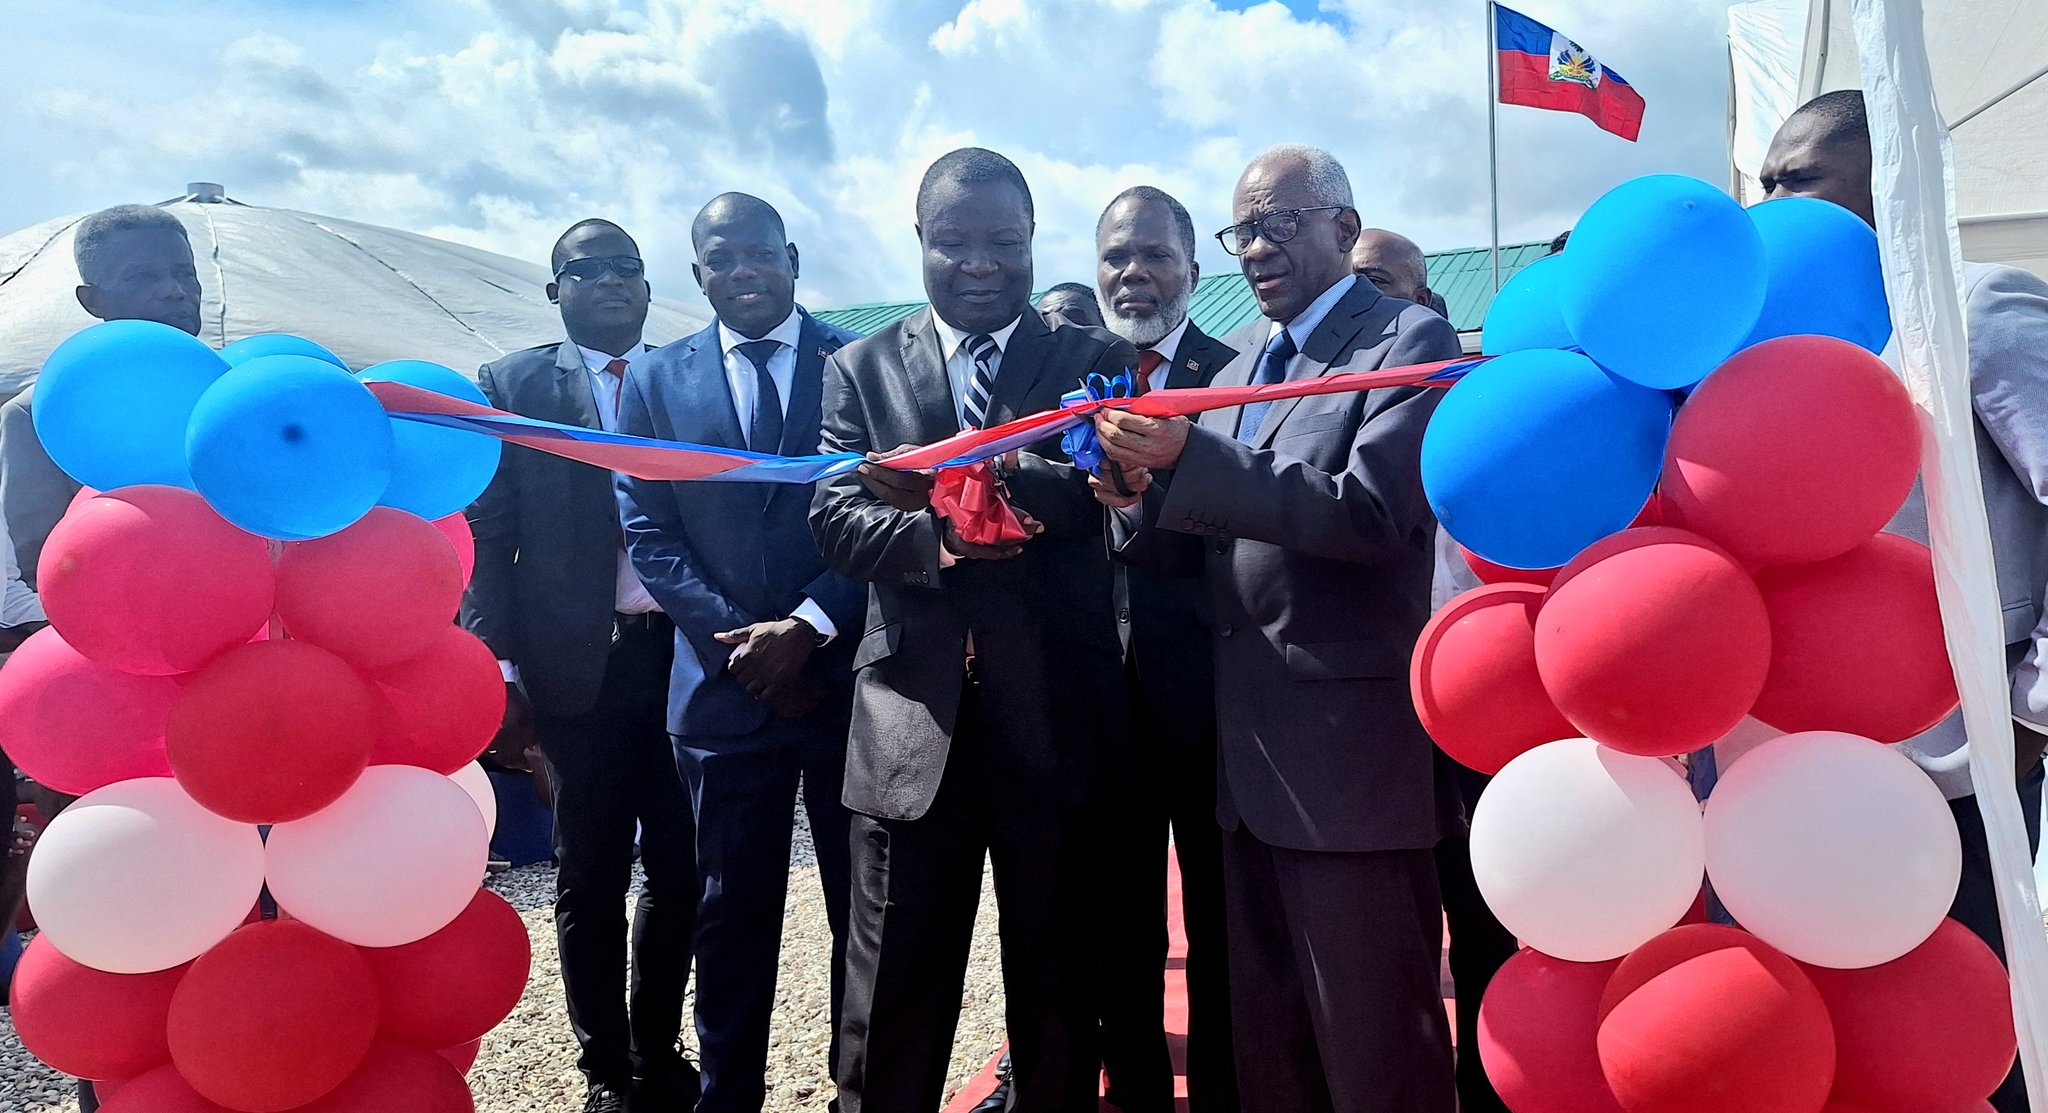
(1308, 519)
(586, 652)
(763, 682)
(1145, 275)
(988, 683)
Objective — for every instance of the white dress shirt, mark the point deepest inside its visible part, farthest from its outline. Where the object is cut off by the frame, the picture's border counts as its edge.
(630, 595)
(1304, 324)
(960, 365)
(20, 604)
(741, 383)
(1168, 347)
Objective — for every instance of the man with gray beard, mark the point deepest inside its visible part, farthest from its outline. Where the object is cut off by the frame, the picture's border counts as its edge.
(1145, 275)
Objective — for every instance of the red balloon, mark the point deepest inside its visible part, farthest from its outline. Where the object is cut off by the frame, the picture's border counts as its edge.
(1795, 450)
(455, 527)
(75, 725)
(463, 1056)
(458, 983)
(1536, 1035)
(1710, 1019)
(272, 732)
(373, 594)
(1931, 1030)
(162, 1090)
(276, 1015)
(1856, 644)
(395, 1077)
(150, 580)
(441, 708)
(1491, 573)
(89, 1023)
(1474, 678)
(1654, 642)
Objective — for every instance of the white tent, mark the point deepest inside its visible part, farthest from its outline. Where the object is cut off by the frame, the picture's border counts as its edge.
(367, 293)
(1990, 65)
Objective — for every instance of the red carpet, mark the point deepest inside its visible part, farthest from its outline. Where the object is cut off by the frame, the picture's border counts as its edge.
(1176, 1009)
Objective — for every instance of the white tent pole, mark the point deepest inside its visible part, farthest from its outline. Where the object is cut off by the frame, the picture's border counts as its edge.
(1913, 179)
(1493, 134)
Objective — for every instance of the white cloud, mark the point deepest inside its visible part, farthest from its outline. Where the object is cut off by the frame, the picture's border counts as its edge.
(497, 122)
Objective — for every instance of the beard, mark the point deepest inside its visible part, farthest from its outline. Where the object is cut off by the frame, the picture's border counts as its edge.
(1145, 331)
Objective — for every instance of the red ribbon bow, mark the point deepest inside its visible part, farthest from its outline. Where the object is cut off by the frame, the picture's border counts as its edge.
(972, 499)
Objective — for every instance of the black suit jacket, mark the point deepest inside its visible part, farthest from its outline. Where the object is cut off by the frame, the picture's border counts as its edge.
(547, 540)
(1317, 545)
(1043, 627)
(1166, 620)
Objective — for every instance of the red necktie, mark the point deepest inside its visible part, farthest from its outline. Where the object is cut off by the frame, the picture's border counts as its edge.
(617, 370)
(1148, 362)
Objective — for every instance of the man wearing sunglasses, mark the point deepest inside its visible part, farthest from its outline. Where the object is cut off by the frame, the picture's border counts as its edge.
(1307, 519)
(586, 652)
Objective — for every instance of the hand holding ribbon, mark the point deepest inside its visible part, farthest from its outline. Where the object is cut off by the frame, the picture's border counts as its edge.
(1080, 442)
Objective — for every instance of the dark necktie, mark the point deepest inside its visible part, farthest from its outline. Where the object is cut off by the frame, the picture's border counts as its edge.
(764, 431)
(981, 348)
(1272, 369)
(1148, 362)
(617, 370)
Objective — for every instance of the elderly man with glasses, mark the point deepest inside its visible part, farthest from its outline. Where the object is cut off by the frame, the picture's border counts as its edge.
(1306, 519)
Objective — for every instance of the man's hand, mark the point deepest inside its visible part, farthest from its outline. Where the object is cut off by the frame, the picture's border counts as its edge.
(770, 655)
(1137, 480)
(515, 733)
(904, 490)
(1145, 442)
(968, 550)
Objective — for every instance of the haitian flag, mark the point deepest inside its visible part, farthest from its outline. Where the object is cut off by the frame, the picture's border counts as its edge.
(1540, 68)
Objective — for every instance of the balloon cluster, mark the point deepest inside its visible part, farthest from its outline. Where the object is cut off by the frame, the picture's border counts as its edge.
(1673, 480)
(266, 897)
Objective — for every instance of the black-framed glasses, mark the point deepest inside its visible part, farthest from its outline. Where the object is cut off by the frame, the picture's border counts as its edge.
(1277, 227)
(584, 270)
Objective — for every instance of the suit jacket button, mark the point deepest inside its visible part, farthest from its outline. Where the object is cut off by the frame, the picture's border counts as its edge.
(1123, 614)
(1187, 523)
(1226, 629)
(1222, 545)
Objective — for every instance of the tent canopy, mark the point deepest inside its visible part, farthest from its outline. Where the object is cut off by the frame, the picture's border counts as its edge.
(1989, 59)
(369, 294)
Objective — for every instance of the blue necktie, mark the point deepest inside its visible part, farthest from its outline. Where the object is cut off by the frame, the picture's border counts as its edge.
(1272, 369)
(764, 432)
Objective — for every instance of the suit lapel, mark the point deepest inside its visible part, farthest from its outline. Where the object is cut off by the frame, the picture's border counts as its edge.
(1327, 344)
(707, 406)
(924, 370)
(1191, 360)
(1023, 362)
(572, 382)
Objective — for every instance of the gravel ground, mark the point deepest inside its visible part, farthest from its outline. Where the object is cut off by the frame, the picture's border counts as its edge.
(528, 1064)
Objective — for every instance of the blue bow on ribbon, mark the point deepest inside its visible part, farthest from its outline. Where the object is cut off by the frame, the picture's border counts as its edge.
(1079, 442)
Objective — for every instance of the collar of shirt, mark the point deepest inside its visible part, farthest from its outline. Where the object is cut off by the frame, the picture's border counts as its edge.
(951, 338)
(1169, 345)
(1304, 324)
(785, 334)
(594, 361)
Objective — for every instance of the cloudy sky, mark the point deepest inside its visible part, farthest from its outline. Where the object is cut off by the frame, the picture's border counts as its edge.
(498, 122)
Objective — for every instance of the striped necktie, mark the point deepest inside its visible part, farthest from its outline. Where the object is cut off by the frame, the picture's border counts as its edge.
(981, 348)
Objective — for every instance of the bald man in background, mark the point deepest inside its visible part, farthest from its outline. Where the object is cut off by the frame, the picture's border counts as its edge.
(1393, 263)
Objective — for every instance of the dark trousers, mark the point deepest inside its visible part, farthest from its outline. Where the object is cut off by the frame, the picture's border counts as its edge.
(613, 768)
(742, 791)
(1479, 947)
(916, 886)
(1334, 964)
(1976, 905)
(1132, 944)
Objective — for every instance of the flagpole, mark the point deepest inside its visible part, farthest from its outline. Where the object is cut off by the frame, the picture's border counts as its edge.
(1493, 133)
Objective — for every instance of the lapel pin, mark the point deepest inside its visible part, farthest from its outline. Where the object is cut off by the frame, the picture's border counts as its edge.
(1193, 366)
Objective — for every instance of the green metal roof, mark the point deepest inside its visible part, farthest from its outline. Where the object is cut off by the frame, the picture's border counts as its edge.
(1223, 303)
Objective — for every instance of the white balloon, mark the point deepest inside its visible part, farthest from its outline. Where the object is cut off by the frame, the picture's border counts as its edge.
(477, 783)
(393, 861)
(1586, 853)
(1832, 848)
(137, 877)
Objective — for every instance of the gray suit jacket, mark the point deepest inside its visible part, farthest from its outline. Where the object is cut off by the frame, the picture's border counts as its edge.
(34, 491)
(2008, 319)
(1316, 543)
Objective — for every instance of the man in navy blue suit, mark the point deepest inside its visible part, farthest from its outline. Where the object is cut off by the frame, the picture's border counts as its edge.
(763, 682)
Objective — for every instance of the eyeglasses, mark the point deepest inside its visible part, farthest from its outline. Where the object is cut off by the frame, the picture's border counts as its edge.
(584, 270)
(1277, 227)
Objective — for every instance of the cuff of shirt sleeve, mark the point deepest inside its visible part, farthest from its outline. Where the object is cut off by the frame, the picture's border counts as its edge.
(812, 613)
(510, 670)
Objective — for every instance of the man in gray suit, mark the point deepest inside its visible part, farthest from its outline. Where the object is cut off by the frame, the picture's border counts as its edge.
(1307, 519)
(134, 264)
(1823, 151)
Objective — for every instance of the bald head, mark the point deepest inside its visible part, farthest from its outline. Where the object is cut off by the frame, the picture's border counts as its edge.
(745, 265)
(731, 208)
(1393, 263)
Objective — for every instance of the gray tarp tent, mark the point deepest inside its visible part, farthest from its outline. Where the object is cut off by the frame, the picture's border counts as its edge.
(369, 294)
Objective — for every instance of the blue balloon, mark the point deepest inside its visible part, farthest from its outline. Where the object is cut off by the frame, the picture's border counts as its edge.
(1666, 279)
(276, 344)
(1538, 454)
(112, 403)
(437, 471)
(1822, 276)
(290, 447)
(1526, 314)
